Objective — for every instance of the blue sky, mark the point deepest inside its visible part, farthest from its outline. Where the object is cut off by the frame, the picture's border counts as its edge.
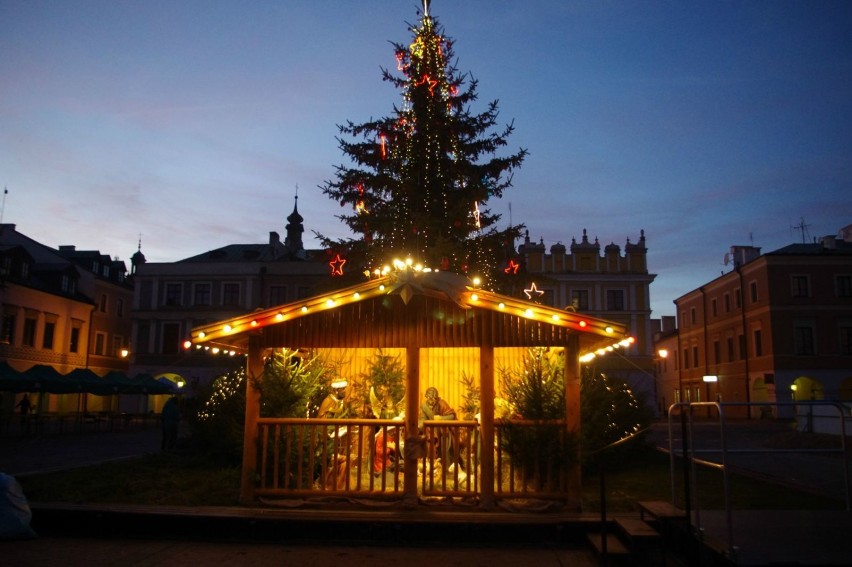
(191, 122)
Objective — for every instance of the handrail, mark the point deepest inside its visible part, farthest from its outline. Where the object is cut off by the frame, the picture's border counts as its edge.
(685, 409)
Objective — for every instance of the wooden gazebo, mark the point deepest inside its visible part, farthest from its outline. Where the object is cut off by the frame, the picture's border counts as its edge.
(422, 315)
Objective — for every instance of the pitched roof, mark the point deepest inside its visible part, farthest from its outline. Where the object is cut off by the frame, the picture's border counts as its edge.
(519, 321)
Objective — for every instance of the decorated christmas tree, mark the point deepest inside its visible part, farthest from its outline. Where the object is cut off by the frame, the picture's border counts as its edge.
(420, 179)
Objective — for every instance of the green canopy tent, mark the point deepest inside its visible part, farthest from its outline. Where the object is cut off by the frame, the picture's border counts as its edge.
(120, 383)
(11, 380)
(45, 378)
(150, 385)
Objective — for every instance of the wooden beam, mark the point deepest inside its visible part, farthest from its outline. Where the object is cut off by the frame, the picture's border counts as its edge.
(486, 425)
(254, 368)
(412, 416)
(572, 415)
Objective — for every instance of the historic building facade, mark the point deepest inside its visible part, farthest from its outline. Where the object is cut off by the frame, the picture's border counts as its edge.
(173, 297)
(612, 285)
(64, 308)
(777, 328)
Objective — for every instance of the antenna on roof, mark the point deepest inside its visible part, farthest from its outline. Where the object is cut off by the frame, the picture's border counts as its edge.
(3, 207)
(803, 228)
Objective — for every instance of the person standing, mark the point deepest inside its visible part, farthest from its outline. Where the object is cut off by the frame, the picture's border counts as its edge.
(25, 406)
(170, 417)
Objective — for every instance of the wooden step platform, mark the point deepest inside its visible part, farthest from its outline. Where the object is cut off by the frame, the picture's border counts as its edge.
(660, 510)
(636, 529)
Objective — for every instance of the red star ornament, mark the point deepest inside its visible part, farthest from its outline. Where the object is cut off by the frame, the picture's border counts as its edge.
(513, 268)
(337, 265)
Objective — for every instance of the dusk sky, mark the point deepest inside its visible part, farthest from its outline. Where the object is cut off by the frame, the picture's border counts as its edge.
(191, 123)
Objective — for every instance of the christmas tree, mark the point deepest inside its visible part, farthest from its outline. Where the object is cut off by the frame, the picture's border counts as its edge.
(421, 178)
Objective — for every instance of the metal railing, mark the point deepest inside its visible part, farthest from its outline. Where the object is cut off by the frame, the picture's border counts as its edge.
(49, 424)
(691, 461)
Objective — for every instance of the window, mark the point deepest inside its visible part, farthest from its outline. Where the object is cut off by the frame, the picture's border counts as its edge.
(685, 358)
(738, 297)
(727, 303)
(843, 285)
(8, 336)
(800, 286)
(580, 299)
(302, 292)
(752, 290)
(173, 293)
(143, 338)
(717, 352)
(758, 343)
(692, 315)
(803, 339)
(730, 342)
(117, 342)
(713, 307)
(277, 294)
(102, 306)
(171, 338)
(231, 294)
(846, 339)
(49, 331)
(119, 307)
(615, 300)
(29, 331)
(742, 347)
(74, 342)
(695, 356)
(201, 294)
(100, 344)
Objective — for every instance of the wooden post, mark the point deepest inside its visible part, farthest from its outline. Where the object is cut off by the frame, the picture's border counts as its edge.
(572, 416)
(254, 368)
(412, 416)
(486, 426)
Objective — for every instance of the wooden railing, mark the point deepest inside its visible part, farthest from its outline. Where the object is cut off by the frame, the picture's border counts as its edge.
(364, 457)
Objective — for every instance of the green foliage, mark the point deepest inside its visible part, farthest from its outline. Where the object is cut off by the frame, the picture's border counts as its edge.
(470, 397)
(536, 392)
(420, 179)
(217, 428)
(610, 413)
(289, 387)
(386, 378)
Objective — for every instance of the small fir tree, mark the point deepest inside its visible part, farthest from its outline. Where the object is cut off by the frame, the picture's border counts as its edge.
(288, 387)
(385, 383)
(536, 392)
(610, 413)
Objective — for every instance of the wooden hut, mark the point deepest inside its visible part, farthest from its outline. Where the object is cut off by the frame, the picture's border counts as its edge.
(441, 325)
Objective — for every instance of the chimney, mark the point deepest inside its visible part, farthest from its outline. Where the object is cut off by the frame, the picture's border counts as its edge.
(744, 254)
(829, 242)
